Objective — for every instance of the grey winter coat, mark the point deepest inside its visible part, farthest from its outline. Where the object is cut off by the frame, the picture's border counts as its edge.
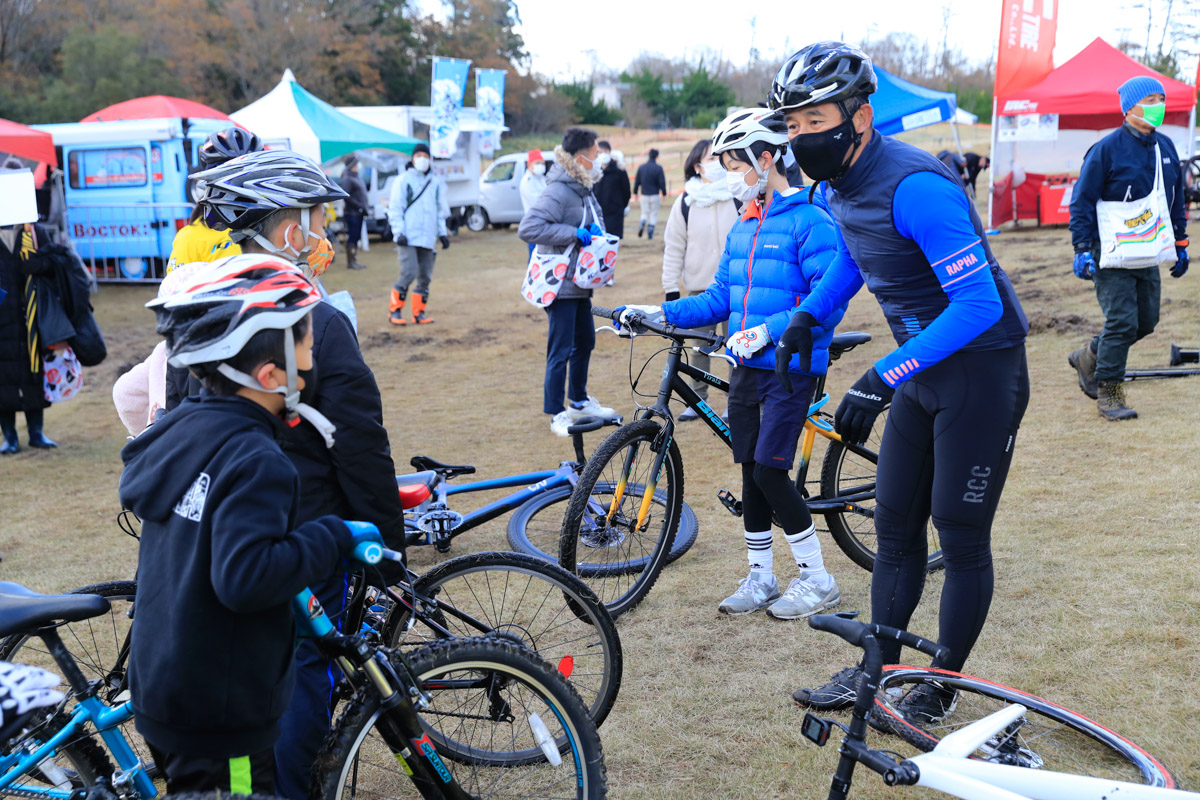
(552, 221)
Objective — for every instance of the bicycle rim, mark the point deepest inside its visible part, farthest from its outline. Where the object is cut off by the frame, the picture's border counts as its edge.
(847, 474)
(483, 694)
(530, 602)
(1049, 737)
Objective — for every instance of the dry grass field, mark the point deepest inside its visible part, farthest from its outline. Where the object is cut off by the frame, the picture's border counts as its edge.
(1096, 601)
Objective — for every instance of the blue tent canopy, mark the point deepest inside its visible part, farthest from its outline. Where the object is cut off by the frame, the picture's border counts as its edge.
(901, 106)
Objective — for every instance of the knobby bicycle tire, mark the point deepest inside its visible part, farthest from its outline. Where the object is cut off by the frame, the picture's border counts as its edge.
(96, 645)
(616, 559)
(87, 762)
(529, 601)
(1050, 736)
(527, 534)
(356, 754)
(842, 472)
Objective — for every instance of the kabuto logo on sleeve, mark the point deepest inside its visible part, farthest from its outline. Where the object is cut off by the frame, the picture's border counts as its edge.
(191, 505)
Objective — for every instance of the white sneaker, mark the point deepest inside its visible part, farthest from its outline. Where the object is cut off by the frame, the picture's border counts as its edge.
(804, 598)
(562, 420)
(591, 408)
(751, 595)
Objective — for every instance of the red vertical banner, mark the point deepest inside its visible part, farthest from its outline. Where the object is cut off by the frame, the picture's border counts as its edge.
(1026, 54)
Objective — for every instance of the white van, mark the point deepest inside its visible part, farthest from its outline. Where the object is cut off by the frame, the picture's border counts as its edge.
(500, 193)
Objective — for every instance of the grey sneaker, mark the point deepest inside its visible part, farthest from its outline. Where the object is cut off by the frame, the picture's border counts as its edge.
(804, 598)
(751, 595)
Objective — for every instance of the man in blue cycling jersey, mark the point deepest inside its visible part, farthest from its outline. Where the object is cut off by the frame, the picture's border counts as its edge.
(957, 383)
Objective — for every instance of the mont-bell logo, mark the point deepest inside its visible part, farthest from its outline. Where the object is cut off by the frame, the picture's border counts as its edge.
(1020, 106)
(837, 135)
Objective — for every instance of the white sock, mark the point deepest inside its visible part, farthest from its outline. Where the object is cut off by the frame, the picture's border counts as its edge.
(759, 554)
(806, 549)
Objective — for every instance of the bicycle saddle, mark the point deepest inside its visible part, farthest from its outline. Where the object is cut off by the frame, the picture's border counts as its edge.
(445, 470)
(845, 342)
(415, 488)
(23, 609)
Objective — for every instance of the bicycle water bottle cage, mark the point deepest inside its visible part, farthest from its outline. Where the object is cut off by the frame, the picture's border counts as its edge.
(816, 406)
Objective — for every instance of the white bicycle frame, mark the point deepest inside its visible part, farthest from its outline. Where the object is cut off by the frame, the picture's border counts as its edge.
(948, 768)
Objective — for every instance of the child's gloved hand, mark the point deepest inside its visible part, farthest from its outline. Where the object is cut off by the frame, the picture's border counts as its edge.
(595, 230)
(584, 236)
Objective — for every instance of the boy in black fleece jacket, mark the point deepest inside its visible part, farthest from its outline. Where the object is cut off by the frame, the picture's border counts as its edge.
(220, 557)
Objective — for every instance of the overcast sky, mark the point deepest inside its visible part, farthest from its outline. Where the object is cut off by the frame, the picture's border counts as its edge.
(555, 31)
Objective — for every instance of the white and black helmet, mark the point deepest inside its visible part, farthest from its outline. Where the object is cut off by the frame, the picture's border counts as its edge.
(825, 72)
(241, 193)
(746, 127)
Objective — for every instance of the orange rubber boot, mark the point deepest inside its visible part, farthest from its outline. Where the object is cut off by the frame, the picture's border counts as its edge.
(419, 311)
(396, 315)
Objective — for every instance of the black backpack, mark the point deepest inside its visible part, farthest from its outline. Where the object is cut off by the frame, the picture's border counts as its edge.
(687, 208)
(74, 290)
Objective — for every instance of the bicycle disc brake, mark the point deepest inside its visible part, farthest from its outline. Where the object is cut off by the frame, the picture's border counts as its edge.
(1003, 748)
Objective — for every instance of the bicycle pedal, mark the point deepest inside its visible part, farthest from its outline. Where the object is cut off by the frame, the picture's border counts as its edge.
(731, 503)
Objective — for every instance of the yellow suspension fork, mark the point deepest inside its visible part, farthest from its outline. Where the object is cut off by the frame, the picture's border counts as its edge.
(622, 482)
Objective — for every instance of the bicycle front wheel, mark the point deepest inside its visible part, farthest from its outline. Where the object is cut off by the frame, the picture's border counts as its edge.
(525, 600)
(847, 474)
(622, 518)
(1048, 736)
(491, 702)
(535, 527)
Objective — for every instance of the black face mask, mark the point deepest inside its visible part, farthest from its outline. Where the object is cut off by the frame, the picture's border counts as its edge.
(822, 155)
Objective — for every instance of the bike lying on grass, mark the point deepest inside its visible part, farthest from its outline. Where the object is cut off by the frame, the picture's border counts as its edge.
(995, 743)
(618, 552)
(453, 720)
(539, 503)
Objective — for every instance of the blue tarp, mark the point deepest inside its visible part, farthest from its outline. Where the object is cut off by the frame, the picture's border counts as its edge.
(901, 106)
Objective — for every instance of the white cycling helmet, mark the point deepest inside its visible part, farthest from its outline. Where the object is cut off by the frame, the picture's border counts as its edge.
(240, 194)
(743, 129)
(219, 309)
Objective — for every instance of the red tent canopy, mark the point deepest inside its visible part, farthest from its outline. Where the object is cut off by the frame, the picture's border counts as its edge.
(156, 106)
(23, 141)
(1083, 91)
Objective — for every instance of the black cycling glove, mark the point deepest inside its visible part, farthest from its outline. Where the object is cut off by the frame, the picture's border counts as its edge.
(864, 401)
(445, 240)
(797, 339)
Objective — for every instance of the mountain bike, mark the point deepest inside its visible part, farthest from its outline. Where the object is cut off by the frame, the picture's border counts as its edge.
(539, 502)
(996, 743)
(617, 552)
(405, 721)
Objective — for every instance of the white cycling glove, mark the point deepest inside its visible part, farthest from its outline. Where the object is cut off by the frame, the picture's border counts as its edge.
(651, 313)
(744, 344)
(24, 688)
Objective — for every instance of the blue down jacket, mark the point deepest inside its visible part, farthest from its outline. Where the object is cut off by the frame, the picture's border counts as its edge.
(769, 266)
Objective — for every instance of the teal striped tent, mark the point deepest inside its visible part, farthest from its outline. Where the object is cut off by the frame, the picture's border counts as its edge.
(289, 116)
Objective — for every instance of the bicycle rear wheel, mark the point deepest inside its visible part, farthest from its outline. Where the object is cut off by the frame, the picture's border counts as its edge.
(100, 647)
(1049, 737)
(845, 473)
(526, 600)
(487, 699)
(536, 526)
(622, 518)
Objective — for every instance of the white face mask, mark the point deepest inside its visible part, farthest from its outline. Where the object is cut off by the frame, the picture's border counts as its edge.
(602, 160)
(421, 164)
(713, 171)
(595, 171)
(736, 181)
(539, 168)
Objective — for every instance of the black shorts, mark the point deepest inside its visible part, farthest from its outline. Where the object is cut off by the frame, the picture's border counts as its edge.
(764, 420)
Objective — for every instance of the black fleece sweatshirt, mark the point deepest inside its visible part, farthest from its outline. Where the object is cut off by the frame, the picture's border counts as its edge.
(211, 657)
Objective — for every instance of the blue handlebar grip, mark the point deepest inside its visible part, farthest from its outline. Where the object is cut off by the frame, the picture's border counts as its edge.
(368, 552)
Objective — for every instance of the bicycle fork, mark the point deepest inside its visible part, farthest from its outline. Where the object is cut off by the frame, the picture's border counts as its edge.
(651, 485)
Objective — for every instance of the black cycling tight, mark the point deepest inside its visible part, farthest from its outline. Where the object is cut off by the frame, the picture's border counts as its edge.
(766, 489)
(945, 455)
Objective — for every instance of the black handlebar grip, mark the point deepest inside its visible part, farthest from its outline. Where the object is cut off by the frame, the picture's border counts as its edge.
(601, 311)
(850, 630)
(854, 632)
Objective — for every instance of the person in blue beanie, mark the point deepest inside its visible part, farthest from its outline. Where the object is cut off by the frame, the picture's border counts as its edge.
(1132, 163)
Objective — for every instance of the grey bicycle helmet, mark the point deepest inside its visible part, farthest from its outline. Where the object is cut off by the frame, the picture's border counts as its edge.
(240, 194)
(825, 72)
(225, 145)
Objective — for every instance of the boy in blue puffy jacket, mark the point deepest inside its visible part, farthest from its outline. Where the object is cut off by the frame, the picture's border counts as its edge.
(774, 255)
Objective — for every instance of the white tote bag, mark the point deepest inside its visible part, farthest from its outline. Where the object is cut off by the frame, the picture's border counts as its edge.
(598, 260)
(545, 275)
(1135, 234)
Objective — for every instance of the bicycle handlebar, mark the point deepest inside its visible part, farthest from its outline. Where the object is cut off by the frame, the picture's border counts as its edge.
(855, 633)
(373, 552)
(662, 329)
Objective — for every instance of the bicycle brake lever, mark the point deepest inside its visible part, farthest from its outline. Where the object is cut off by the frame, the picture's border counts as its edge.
(608, 328)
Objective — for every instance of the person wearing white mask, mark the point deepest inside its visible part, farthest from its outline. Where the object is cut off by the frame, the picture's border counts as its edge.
(774, 256)
(417, 212)
(533, 182)
(612, 190)
(695, 239)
